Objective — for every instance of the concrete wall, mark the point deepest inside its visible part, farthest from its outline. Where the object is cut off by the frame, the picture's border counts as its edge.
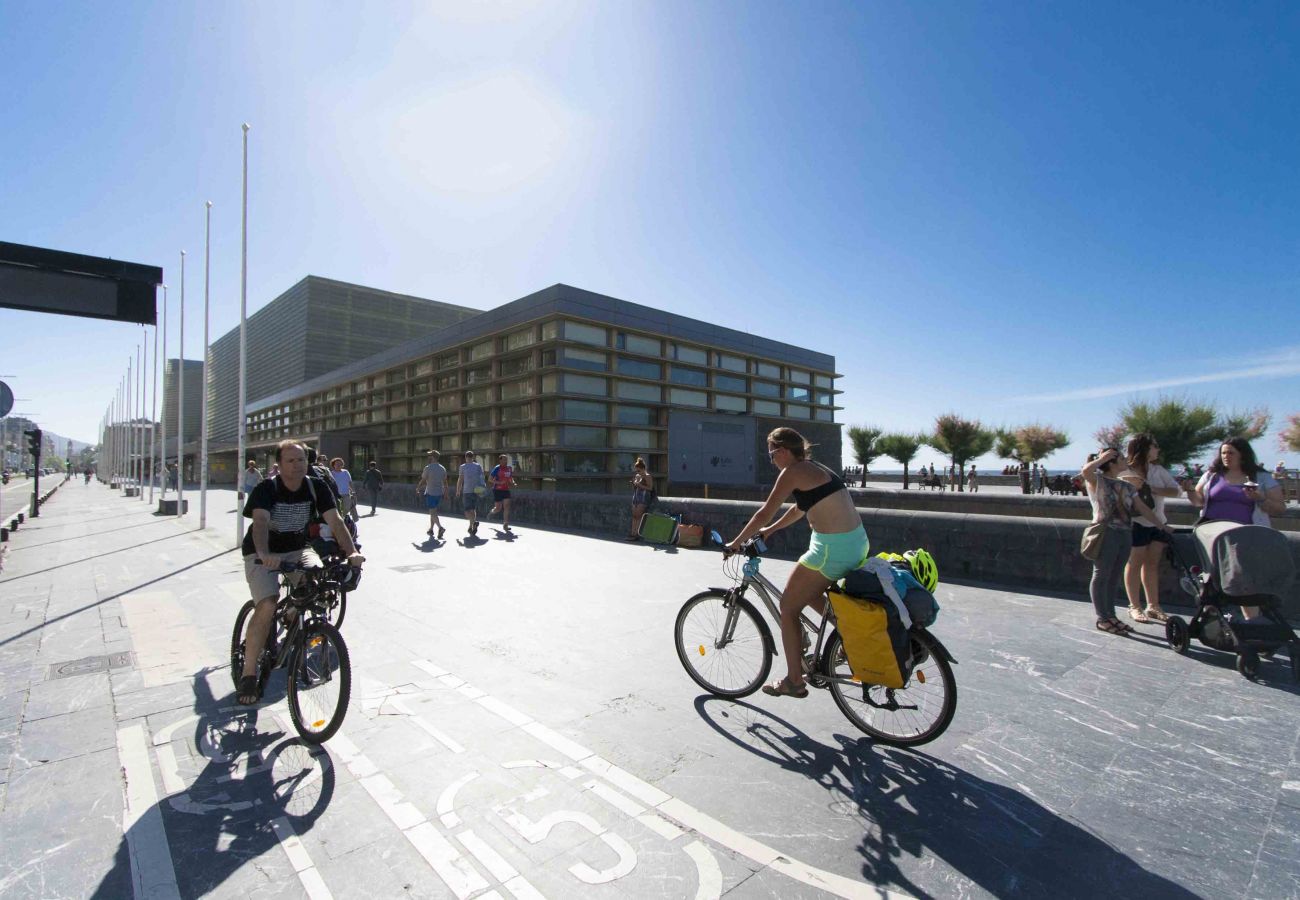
(1015, 551)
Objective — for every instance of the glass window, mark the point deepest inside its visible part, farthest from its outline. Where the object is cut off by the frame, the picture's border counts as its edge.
(418, 389)
(516, 437)
(448, 360)
(584, 436)
(730, 383)
(802, 394)
(634, 415)
(586, 411)
(683, 375)
(478, 375)
(627, 390)
(481, 350)
(446, 401)
(512, 390)
(481, 440)
(550, 435)
(635, 343)
(445, 382)
(519, 412)
(424, 367)
(582, 463)
(685, 353)
(729, 362)
(550, 409)
(766, 389)
(825, 399)
(632, 439)
(478, 418)
(624, 463)
(729, 403)
(638, 369)
(421, 407)
(767, 370)
(397, 376)
(823, 415)
(585, 334)
(823, 381)
(519, 339)
(480, 396)
(797, 412)
(585, 384)
(516, 366)
(766, 408)
(590, 360)
(799, 376)
(682, 397)
(550, 383)
(550, 330)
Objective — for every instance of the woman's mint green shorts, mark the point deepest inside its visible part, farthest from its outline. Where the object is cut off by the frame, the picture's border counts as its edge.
(835, 555)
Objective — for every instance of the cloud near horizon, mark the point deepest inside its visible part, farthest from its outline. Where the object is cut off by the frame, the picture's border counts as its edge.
(1279, 363)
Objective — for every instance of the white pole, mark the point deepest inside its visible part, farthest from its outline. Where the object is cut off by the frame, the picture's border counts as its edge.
(162, 422)
(180, 405)
(139, 408)
(153, 416)
(203, 402)
(243, 351)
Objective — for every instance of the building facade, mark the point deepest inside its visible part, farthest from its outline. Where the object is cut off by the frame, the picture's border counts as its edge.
(573, 386)
(193, 400)
(314, 327)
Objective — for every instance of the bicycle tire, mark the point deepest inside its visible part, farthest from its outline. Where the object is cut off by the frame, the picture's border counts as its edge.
(334, 614)
(237, 648)
(320, 659)
(919, 690)
(748, 652)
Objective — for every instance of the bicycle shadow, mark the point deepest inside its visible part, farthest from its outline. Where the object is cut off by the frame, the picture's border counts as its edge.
(258, 785)
(914, 805)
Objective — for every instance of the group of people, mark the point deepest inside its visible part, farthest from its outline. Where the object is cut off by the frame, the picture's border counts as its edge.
(471, 484)
(1128, 493)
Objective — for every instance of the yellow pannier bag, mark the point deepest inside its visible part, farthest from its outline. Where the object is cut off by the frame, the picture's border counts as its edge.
(864, 627)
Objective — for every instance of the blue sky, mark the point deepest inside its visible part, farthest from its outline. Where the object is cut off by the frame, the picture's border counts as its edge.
(1017, 212)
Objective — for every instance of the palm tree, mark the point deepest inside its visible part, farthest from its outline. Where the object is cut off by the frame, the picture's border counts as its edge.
(863, 438)
(900, 447)
(1186, 428)
(1290, 436)
(961, 440)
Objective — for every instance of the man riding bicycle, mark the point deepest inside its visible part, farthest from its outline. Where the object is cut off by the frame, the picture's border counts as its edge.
(281, 509)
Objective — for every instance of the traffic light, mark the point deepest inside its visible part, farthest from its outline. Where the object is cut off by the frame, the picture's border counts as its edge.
(34, 442)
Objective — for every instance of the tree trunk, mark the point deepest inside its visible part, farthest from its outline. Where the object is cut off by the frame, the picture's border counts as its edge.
(904, 476)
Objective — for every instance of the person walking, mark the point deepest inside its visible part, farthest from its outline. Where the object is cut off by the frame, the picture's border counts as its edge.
(373, 481)
(252, 476)
(1039, 473)
(971, 480)
(1153, 483)
(470, 485)
(347, 491)
(502, 477)
(432, 485)
(1113, 504)
(643, 497)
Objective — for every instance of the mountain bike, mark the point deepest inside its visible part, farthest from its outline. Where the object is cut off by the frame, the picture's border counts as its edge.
(305, 640)
(726, 647)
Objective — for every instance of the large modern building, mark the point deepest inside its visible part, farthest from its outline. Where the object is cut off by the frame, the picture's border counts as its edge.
(314, 327)
(573, 386)
(193, 399)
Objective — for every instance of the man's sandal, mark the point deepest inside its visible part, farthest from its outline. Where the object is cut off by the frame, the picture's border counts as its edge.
(784, 688)
(1113, 626)
(248, 694)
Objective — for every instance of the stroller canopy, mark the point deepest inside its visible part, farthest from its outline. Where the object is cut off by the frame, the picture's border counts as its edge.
(1245, 560)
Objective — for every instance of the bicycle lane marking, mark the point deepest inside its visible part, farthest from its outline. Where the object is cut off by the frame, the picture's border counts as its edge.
(661, 802)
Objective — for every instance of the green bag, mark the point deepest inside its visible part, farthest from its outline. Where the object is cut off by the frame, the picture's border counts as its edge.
(658, 528)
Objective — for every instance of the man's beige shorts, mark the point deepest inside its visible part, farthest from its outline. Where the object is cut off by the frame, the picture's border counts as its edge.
(264, 582)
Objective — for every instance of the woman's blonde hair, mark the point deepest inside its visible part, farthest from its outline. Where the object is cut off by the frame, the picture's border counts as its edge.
(639, 464)
(790, 440)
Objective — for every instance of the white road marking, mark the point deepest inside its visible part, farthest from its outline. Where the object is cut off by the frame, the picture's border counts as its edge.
(494, 862)
(447, 800)
(710, 881)
(153, 877)
(300, 860)
(460, 877)
(615, 799)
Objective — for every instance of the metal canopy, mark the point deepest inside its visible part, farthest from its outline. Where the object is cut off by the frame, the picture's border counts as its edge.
(71, 284)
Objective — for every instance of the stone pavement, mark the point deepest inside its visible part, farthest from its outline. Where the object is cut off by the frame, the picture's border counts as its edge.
(521, 727)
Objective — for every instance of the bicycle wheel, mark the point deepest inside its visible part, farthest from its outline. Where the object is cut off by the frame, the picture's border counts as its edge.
(735, 668)
(914, 714)
(237, 648)
(336, 607)
(320, 682)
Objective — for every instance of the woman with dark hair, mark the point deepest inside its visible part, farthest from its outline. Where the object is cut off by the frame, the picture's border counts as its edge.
(1236, 489)
(839, 542)
(643, 497)
(1114, 504)
(1154, 484)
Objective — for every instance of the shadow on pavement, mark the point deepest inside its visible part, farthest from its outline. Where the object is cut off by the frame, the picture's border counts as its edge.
(256, 789)
(77, 562)
(913, 805)
(83, 537)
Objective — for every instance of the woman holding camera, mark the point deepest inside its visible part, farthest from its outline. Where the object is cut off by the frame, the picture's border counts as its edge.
(1154, 484)
(1115, 502)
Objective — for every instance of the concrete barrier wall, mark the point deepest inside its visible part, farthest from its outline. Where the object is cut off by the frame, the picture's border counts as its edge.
(1016, 551)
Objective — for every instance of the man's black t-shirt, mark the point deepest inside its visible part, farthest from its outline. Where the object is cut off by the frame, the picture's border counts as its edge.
(291, 512)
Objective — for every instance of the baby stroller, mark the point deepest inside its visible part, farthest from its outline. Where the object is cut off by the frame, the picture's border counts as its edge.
(1237, 565)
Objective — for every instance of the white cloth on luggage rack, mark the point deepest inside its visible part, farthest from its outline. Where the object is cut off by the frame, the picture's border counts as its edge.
(884, 572)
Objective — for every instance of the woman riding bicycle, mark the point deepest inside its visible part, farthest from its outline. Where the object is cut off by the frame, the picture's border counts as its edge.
(839, 542)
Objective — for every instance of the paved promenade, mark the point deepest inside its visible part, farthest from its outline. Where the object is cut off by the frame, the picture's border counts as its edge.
(521, 727)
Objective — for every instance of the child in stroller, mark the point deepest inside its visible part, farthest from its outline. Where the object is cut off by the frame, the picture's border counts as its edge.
(1239, 565)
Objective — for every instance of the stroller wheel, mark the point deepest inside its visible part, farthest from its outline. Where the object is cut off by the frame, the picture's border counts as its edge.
(1176, 634)
(1248, 664)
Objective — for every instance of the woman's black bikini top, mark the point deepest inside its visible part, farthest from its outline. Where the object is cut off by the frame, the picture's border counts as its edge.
(806, 500)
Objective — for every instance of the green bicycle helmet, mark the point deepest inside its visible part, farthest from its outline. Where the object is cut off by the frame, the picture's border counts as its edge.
(924, 569)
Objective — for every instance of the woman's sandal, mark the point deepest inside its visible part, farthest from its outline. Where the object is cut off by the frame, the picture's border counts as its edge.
(1113, 626)
(248, 689)
(1138, 615)
(1158, 616)
(784, 688)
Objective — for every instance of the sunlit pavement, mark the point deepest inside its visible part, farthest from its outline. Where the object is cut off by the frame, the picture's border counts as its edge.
(521, 727)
